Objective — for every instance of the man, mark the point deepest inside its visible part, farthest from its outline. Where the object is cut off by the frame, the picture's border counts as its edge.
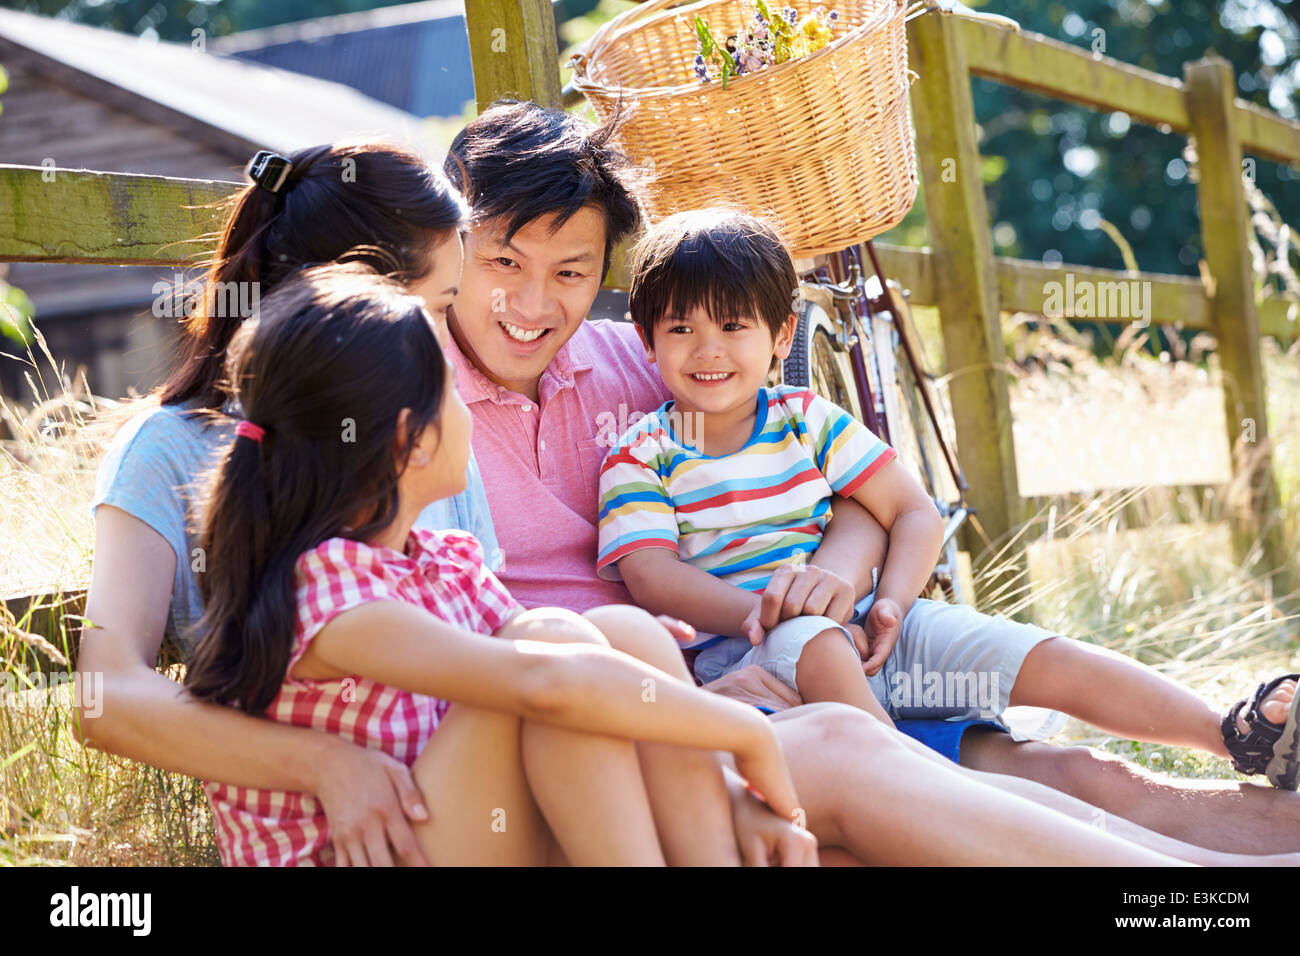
(552, 198)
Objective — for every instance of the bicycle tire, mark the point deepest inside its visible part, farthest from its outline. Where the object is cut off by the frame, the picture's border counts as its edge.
(816, 361)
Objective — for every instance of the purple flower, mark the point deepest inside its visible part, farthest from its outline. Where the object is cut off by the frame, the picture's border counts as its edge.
(792, 14)
(832, 16)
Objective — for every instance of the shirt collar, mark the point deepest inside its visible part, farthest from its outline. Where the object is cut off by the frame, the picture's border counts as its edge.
(474, 386)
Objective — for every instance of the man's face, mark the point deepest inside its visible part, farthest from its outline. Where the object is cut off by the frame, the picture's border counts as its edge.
(518, 303)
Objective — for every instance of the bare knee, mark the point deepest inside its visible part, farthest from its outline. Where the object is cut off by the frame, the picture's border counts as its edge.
(554, 625)
(636, 632)
(846, 733)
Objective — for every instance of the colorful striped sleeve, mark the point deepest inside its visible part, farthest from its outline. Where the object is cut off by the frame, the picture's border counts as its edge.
(847, 452)
(635, 510)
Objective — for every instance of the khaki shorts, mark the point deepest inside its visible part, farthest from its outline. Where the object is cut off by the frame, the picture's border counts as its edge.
(951, 662)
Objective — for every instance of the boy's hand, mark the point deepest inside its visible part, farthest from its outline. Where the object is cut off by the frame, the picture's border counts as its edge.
(799, 589)
(883, 625)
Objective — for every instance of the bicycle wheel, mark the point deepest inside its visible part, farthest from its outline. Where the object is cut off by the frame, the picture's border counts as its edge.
(816, 361)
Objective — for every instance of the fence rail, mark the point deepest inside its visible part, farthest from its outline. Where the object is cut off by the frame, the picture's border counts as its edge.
(57, 215)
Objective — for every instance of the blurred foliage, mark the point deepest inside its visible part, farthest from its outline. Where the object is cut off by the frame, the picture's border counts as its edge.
(1066, 169)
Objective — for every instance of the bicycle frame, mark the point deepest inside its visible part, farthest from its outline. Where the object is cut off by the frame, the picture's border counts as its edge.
(842, 285)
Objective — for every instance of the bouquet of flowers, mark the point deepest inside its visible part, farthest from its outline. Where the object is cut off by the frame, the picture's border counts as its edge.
(770, 39)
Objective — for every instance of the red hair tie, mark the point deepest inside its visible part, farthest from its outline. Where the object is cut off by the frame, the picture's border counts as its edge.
(246, 429)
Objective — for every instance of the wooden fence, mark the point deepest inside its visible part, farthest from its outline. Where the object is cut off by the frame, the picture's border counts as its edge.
(80, 216)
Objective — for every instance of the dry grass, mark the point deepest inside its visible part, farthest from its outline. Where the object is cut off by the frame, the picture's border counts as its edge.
(1114, 567)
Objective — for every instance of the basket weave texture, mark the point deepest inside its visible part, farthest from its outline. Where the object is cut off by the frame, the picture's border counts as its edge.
(823, 143)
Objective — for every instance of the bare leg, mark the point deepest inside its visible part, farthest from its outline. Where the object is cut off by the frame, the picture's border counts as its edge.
(481, 810)
(589, 788)
(830, 669)
(867, 789)
(1121, 696)
(1218, 814)
(685, 785)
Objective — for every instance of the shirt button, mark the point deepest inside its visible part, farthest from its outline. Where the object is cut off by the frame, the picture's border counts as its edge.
(542, 444)
(526, 407)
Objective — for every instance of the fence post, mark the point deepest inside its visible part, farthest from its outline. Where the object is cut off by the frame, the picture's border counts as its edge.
(1225, 233)
(513, 50)
(961, 243)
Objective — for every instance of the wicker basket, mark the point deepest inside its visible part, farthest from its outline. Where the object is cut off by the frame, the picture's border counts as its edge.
(823, 143)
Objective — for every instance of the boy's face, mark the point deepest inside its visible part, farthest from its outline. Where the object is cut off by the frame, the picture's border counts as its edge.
(716, 368)
(519, 303)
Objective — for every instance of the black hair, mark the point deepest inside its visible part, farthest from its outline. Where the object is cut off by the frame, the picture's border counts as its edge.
(334, 355)
(731, 263)
(518, 161)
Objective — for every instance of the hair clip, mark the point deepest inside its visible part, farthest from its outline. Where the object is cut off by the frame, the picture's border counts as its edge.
(268, 170)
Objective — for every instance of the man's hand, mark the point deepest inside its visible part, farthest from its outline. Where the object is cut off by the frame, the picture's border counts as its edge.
(799, 589)
(754, 686)
(765, 839)
(367, 797)
(883, 625)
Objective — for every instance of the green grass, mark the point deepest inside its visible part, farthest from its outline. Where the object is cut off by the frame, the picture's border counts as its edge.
(1114, 568)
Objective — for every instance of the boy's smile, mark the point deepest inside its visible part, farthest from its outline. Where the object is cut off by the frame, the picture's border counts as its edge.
(716, 369)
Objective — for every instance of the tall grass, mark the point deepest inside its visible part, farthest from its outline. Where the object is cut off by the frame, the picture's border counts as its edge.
(1109, 566)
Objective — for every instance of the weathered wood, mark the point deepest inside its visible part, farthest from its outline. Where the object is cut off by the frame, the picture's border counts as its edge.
(1034, 62)
(57, 618)
(1225, 234)
(51, 617)
(1267, 134)
(512, 46)
(63, 215)
(966, 282)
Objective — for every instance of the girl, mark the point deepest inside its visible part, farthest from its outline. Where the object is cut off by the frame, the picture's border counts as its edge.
(325, 609)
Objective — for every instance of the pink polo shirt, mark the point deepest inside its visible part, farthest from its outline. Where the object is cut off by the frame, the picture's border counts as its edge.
(541, 466)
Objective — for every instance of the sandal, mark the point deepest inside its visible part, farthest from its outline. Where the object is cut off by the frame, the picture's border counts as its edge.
(1269, 748)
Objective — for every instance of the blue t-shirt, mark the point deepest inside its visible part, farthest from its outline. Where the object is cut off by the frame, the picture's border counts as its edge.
(154, 469)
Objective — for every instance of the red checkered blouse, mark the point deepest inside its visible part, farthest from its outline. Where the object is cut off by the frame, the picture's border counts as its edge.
(441, 571)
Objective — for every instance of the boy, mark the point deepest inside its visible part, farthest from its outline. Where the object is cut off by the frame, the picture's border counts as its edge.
(703, 500)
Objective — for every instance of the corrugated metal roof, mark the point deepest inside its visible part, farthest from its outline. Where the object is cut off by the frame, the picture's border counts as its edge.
(275, 108)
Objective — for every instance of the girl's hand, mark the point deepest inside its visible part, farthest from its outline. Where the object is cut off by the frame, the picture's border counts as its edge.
(680, 630)
(368, 797)
(763, 767)
(763, 837)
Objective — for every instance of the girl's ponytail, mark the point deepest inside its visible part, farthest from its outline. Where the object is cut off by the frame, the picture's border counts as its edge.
(324, 372)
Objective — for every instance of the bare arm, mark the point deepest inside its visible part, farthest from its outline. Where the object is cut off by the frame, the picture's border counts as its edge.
(662, 583)
(853, 545)
(148, 717)
(579, 686)
(915, 530)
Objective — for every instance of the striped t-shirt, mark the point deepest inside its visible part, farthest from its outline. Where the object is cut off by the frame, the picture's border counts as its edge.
(737, 516)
